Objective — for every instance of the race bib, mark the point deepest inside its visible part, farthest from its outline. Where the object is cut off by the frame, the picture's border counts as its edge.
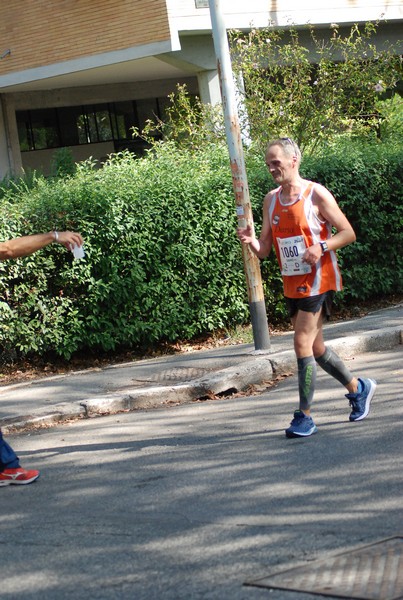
(291, 251)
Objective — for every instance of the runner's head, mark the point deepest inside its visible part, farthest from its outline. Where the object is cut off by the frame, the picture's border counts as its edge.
(288, 145)
(282, 159)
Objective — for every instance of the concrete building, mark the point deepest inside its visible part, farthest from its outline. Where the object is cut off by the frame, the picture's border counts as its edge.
(81, 73)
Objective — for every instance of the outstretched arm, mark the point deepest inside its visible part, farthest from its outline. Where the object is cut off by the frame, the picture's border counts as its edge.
(28, 244)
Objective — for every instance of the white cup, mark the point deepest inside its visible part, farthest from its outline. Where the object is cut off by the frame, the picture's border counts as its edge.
(78, 251)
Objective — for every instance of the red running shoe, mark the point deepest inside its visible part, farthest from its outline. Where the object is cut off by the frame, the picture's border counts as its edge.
(17, 477)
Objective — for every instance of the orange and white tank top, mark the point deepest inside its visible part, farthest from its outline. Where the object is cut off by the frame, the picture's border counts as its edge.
(295, 227)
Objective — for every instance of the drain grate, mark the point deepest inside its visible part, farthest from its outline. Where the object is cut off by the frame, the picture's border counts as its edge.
(373, 572)
(175, 374)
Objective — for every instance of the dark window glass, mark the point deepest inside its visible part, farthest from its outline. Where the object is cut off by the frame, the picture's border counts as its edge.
(82, 128)
(24, 131)
(70, 119)
(163, 103)
(45, 128)
(147, 109)
(125, 118)
(75, 125)
(92, 127)
(103, 120)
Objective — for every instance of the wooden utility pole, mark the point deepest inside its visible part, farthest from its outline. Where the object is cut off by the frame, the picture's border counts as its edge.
(239, 178)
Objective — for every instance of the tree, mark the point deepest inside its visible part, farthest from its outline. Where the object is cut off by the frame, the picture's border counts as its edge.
(342, 85)
(186, 121)
(313, 96)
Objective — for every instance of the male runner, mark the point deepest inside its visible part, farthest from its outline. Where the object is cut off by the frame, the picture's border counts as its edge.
(298, 218)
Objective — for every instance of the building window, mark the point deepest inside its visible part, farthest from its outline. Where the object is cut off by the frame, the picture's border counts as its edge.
(90, 124)
(69, 119)
(38, 129)
(124, 118)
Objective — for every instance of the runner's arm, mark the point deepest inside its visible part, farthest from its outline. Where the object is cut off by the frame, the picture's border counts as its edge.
(262, 246)
(330, 211)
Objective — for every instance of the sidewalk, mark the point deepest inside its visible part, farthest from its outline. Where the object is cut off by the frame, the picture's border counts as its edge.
(181, 378)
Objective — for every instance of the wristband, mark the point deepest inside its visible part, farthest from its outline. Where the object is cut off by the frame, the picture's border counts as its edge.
(56, 236)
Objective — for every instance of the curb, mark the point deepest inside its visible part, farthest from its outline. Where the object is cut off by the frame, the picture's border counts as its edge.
(255, 370)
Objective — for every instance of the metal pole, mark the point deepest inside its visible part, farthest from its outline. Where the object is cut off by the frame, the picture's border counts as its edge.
(239, 179)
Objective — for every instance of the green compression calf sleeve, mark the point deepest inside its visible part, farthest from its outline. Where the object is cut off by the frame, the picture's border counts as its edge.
(306, 381)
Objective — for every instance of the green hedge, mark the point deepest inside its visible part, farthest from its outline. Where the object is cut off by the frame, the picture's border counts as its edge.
(163, 261)
(367, 181)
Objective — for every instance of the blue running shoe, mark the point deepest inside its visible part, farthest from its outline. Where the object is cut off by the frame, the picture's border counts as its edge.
(360, 401)
(301, 425)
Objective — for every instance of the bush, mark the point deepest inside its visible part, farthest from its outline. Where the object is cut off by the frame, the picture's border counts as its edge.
(286, 94)
(366, 179)
(162, 259)
(62, 164)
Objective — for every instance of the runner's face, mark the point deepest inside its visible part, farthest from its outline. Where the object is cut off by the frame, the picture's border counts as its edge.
(280, 164)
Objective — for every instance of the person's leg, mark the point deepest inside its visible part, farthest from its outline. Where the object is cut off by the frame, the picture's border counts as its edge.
(330, 362)
(327, 358)
(10, 470)
(360, 390)
(8, 458)
(306, 326)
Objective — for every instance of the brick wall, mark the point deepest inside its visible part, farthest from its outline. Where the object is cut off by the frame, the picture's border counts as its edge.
(43, 32)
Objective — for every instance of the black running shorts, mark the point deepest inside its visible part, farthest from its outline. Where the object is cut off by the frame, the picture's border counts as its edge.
(311, 304)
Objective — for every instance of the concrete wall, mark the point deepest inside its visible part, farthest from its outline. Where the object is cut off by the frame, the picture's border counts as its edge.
(96, 94)
(282, 13)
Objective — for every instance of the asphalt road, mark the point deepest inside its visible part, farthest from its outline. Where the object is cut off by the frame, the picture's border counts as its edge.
(190, 502)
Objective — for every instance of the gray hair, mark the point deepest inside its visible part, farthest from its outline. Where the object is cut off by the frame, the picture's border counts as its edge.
(288, 145)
